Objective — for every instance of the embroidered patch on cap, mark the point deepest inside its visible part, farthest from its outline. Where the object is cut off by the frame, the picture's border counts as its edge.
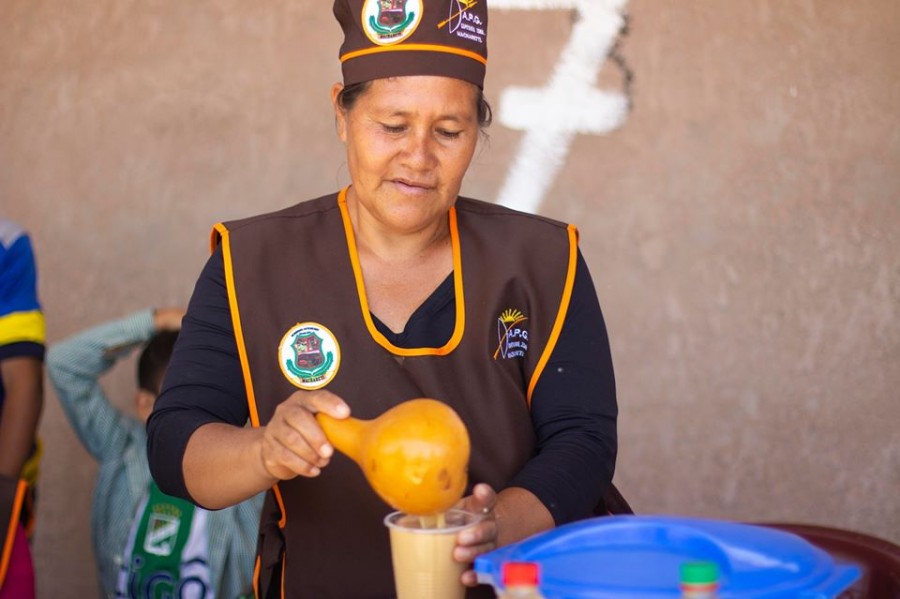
(464, 23)
(309, 355)
(389, 22)
(512, 338)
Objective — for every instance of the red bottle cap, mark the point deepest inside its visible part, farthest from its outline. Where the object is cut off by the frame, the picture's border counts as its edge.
(521, 574)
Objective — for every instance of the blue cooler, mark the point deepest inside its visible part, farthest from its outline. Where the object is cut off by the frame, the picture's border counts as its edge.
(620, 557)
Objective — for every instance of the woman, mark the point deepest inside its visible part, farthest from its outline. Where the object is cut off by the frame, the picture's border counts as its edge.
(392, 289)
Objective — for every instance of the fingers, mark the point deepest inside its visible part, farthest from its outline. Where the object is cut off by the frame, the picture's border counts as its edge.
(283, 462)
(476, 540)
(473, 542)
(469, 578)
(294, 443)
(293, 440)
(481, 501)
(322, 401)
(482, 537)
(484, 497)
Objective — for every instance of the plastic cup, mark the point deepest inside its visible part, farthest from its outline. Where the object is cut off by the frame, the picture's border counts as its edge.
(423, 562)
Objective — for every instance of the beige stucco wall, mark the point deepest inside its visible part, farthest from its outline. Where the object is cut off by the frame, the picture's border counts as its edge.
(742, 223)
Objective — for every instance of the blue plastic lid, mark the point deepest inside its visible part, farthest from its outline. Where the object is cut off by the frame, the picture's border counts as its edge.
(641, 556)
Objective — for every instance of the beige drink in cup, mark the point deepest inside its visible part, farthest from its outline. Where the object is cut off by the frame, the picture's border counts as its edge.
(422, 554)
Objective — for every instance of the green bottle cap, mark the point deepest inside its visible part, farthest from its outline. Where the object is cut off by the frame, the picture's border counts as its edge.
(699, 572)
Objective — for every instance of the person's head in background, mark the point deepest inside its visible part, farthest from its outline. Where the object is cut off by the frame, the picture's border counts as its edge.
(152, 364)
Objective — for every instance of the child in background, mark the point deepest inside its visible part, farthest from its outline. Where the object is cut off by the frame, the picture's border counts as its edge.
(145, 540)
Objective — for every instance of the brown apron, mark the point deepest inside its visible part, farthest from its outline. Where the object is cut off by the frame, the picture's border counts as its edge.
(513, 275)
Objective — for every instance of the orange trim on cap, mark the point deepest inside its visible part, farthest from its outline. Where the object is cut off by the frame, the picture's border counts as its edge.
(364, 303)
(415, 47)
(225, 241)
(561, 313)
(11, 531)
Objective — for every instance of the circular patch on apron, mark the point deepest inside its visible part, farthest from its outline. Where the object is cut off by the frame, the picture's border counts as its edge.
(309, 355)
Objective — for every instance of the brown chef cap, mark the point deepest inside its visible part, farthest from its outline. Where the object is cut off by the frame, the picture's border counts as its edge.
(395, 38)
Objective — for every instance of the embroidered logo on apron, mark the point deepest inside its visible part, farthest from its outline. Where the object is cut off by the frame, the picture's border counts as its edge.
(512, 339)
(309, 355)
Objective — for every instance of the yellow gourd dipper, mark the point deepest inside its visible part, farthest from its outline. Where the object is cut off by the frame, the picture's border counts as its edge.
(415, 455)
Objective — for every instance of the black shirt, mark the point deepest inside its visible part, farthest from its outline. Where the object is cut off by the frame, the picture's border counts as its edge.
(573, 406)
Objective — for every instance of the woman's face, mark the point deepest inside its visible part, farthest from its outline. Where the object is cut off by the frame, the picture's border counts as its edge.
(409, 142)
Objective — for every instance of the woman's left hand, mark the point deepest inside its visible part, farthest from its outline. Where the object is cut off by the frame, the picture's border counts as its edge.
(509, 516)
(482, 537)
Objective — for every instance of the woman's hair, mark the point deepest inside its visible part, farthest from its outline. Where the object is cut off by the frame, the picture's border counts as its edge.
(154, 360)
(351, 93)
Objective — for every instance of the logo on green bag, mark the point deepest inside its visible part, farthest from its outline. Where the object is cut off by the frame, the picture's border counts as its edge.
(309, 355)
(162, 530)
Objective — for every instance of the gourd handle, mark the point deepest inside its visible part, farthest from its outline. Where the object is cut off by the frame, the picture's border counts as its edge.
(348, 435)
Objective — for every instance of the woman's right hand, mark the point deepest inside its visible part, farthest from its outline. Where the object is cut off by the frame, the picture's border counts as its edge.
(293, 442)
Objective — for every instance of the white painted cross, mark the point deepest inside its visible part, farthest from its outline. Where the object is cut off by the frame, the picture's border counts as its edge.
(569, 104)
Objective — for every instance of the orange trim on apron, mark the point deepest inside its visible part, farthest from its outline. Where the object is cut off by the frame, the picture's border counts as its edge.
(283, 522)
(380, 339)
(236, 322)
(220, 236)
(561, 314)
